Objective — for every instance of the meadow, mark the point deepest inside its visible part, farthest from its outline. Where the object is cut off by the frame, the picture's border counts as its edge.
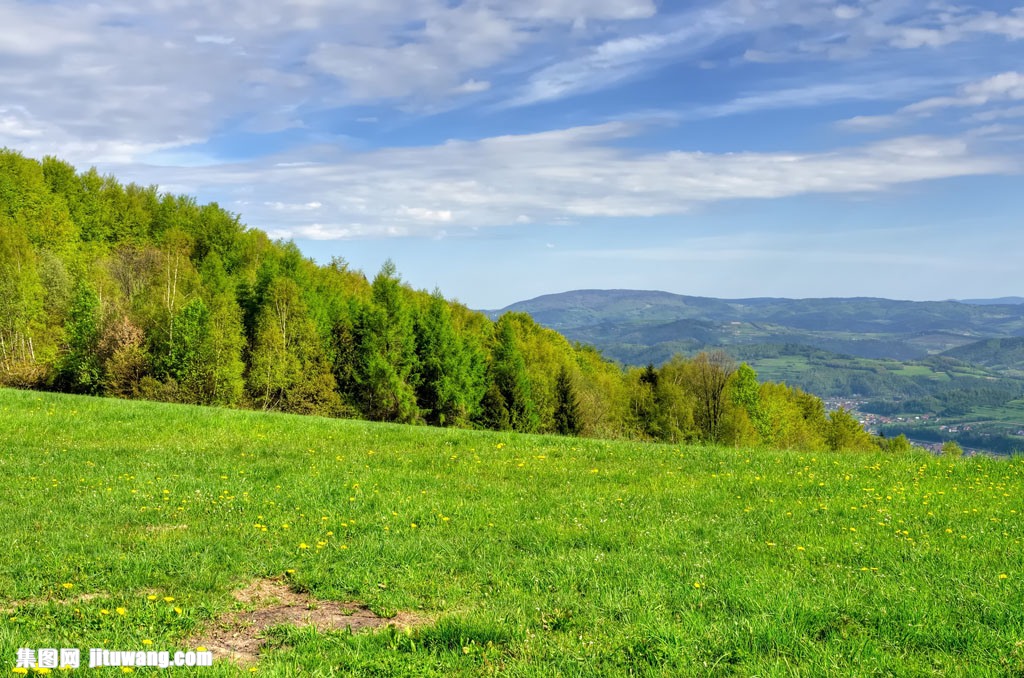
(128, 524)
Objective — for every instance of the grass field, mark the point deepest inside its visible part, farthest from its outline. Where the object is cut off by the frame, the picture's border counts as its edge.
(1011, 413)
(521, 555)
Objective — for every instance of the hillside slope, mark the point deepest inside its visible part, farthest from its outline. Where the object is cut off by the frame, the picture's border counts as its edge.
(625, 323)
(119, 290)
(1004, 355)
(129, 521)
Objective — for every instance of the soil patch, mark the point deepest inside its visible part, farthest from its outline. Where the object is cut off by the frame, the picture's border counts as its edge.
(238, 635)
(15, 605)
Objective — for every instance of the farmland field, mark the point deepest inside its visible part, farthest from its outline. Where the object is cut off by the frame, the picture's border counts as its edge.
(129, 524)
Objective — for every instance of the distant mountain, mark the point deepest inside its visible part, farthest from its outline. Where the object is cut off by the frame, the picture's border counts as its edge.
(1006, 355)
(636, 327)
(990, 302)
(932, 370)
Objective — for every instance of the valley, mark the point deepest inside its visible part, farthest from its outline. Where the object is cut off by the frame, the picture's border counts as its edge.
(931, 370)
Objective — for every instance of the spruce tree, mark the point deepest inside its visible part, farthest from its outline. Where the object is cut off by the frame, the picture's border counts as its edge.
(386, 367)
(568, 418)
(442, 387)
(508, 373)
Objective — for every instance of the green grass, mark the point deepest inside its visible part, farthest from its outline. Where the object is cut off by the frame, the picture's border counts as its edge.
(532, 556)
(1011, 413)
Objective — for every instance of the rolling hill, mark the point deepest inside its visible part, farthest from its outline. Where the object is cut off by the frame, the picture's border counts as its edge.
(636, 327)
(955, 367)
(1004, 355)
(142, 524)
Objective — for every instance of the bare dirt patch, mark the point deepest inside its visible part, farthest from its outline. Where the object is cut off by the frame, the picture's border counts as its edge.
(15, 605)
(159, 529)
(238, 635)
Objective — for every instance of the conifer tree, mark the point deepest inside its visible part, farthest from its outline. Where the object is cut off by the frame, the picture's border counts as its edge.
(387, 352)
(568, 418)
(449, 369)
(508, 373)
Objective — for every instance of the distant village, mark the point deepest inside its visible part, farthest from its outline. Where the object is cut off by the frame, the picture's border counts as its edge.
(874, 422)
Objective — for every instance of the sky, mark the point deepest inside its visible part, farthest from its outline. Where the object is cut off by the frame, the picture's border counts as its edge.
(504, 149)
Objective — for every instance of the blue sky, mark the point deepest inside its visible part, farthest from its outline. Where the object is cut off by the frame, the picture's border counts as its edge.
(506, 149)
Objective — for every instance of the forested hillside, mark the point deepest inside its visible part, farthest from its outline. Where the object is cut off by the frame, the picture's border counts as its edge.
(638, 327)
(123, 291)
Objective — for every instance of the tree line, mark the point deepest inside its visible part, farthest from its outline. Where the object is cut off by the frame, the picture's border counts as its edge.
(123, 291)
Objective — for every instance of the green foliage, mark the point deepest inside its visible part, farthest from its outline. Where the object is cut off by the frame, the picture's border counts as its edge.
(568, 420)
(126, 360)
(119, 290)
(745, 390)
(288, 370)
(951, 448)
(712, 372)
(387, 352)
(509, 376)
(80, 369)
(494, 412)
(21, 301)
(845, 433)
(898, 445)
(451, 371)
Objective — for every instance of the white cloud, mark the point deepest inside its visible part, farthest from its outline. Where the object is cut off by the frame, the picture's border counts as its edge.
(456, 42)
(32, 31)
(999, 114)
(472, 86)
(818, 94)
(292, 207)
(425, 214)
(554, 177)
(215, 39)
(852, 30)
(1004, 87)
(116, 79)
(846, 12)
(870, 123)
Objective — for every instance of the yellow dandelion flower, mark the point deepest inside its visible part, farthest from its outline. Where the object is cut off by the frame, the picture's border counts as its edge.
(696, 584)
(127, 669)
(200, 649)
(104, 611)
(121, 610)
(168, 599)
(20, 670)
(147, 641)
(68, 585)
(1003, 576)
(303, 545)
(178, 610)
(414, 525)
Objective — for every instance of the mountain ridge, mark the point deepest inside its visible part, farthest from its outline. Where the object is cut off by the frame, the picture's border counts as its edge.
(869, 327)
